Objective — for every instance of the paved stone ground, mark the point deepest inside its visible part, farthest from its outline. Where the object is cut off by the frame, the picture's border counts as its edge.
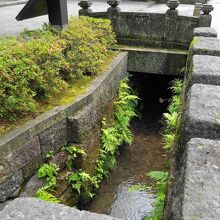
(9, 26)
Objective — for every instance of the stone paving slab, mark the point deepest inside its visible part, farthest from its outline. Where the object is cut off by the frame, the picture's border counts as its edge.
(202, 180)
(205, 70)
(9, 26)
(202, 114)
(206, 46)
(32, 208)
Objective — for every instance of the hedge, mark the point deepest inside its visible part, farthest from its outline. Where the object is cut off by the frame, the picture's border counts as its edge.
(38, 65)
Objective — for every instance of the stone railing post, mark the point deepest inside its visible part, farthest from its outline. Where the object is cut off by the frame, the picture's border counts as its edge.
(205, 19)
(113, 12)
(85, 4)
(197, 9)
(170, 20)
(172, 4)
(114, 9)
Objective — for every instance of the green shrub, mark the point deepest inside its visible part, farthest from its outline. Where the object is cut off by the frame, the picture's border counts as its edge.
(39, 65)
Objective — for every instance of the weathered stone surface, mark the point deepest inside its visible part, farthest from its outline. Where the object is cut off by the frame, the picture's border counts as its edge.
(202, 180)
(205, 70)
(60, 159)
(151, 30)
(103, 90)
(80, 124)
(204, 32)
(29, 169)
(53, 138)
(155, 61)
(206, 46)
(202, 113)
(32, 208)
(8, 187)
(31, 186)
(32, 128)
(19, 158)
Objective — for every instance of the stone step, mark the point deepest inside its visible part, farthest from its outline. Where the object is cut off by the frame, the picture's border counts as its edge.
(202, 113)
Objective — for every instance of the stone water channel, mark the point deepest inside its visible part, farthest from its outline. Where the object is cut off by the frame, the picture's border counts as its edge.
(144, 155)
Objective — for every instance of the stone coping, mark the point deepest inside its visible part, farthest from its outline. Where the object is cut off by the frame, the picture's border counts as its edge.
(206, 46)
(32, 208)
(202, 116)
(201, 193)
(205, 70)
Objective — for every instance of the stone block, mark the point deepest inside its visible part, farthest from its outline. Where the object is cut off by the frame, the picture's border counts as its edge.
(79, 125)
(204, 32)
(155, 61)
(202, 180)
(206, 46)
(32, 208)
(205, 70)
(29, 169)
(10, 186)
(53, 138)
(19, 158)
(202, 113)
(31, 186)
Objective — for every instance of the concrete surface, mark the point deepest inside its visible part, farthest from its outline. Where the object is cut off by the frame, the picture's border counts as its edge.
(9, 26)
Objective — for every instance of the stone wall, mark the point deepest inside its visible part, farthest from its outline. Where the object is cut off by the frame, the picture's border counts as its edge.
(194, 191)
(24, 149)
(154, 30)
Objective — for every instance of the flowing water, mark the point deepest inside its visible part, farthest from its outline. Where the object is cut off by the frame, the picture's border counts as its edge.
(144, 155)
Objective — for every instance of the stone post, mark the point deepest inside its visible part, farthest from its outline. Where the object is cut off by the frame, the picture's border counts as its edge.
(171, 19)
(113, 12)
(197, 9)
(85, 4)
(172, 4)
(205, 19)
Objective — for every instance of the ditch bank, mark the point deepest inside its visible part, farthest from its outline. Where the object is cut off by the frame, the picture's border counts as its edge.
(194, 187)
(24, 149)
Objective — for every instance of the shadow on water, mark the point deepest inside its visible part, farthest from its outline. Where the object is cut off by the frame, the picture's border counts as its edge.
(144, 155)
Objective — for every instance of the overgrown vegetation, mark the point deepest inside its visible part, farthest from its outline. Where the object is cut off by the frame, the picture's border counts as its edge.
(118, 131)
(37, 66)
(114, 133)
(160, 190)
(49, 172)
(172, 118)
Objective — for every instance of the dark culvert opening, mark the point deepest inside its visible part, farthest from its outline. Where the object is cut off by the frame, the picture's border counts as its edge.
(145, 154)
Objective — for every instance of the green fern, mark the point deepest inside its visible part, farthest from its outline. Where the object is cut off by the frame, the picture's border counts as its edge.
(44, 195)
(160, 189)
(48, 171)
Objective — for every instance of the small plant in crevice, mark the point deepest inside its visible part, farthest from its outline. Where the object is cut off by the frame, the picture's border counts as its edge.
(160, 190)
(118, 131)
(73, 153)
(49, 172)
(172, 117)
(80, 182)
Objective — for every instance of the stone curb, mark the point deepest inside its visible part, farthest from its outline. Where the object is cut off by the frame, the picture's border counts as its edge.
(12, 3)
(32, 208)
